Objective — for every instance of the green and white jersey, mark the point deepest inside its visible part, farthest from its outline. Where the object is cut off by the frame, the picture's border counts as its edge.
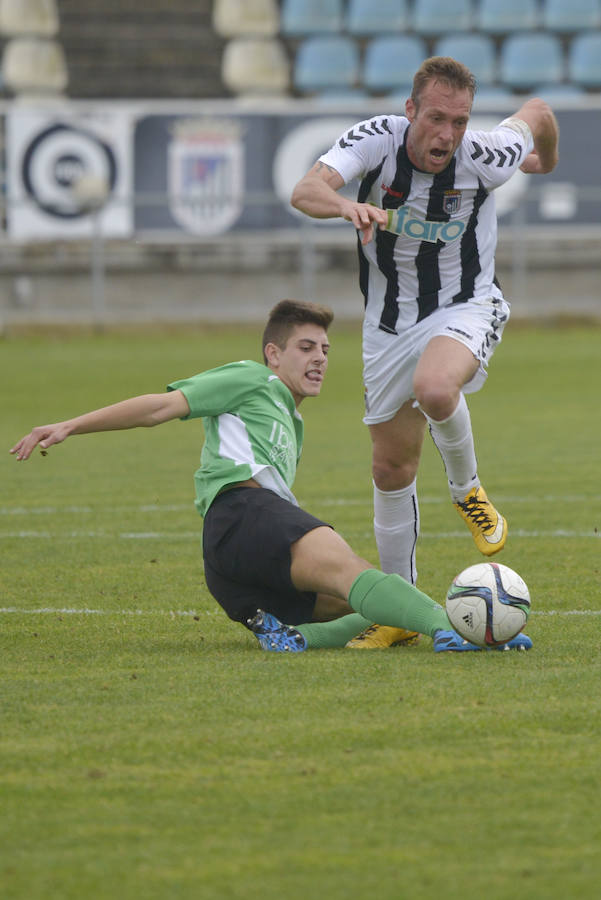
(252, 429)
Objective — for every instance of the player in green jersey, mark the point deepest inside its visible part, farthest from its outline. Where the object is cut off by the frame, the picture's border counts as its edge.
(281, 572)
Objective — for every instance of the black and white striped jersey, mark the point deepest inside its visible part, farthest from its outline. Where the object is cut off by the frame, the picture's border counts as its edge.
(439, 246)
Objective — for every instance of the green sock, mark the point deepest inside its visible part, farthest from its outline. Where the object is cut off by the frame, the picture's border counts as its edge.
(323, 635)
(390, 600)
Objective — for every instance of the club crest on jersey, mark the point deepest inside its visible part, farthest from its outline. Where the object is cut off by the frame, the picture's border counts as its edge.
(451, 201)
(405, 221)
(205, 174)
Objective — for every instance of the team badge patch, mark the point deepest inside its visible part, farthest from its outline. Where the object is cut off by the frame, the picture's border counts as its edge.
(205, 174)
(451, 202)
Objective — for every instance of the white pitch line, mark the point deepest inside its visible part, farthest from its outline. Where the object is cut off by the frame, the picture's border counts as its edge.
(323, 501)
(49, 611)
(499, 499)
(104, 535)
(194, 535)
(513, 532)
(523, 533)
(90, 510)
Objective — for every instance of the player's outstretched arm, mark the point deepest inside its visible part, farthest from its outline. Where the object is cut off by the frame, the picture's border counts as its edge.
(144, 411)
(317, 196)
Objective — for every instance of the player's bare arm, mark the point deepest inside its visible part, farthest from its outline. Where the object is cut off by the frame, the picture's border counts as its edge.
(539, 117)
(136, 412)
(317, 196)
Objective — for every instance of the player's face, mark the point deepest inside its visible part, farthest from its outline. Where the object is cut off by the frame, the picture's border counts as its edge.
(438, 124)
(302, 364)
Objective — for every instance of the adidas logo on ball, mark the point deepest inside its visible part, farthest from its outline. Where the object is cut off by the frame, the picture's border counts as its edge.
(468, 618)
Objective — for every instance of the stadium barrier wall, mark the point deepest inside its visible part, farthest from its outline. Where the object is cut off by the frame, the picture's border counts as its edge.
(215, 179)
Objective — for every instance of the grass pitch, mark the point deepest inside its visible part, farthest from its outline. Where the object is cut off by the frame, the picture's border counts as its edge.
(149, 749)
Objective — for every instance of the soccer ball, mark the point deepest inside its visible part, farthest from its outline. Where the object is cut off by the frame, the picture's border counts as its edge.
(488, 604)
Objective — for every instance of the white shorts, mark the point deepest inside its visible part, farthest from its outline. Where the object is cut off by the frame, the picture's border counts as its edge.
(389, 360)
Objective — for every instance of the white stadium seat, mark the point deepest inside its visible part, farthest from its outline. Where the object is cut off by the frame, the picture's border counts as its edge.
(255, 66)
(246, 18)
(29, 17)
(34, 66)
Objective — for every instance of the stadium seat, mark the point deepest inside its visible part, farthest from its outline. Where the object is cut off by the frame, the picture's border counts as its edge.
(557, 93)
(29, 17)
(365, 17)
(495, 96)
(431, 17)
(505, 16)
(584, 60)
(391, 62)
(399, 95)
(325, 62)
(245, 18)
(305, 17)
(255, 66)
(476, 51)
(34, 66)
(340, 95)
(575, 15)
(529, 59)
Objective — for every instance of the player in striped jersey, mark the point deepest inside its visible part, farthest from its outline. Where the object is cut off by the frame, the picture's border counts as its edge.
(434, 311)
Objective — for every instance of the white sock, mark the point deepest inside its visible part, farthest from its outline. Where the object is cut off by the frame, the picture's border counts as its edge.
(455, 443)
(396, 527)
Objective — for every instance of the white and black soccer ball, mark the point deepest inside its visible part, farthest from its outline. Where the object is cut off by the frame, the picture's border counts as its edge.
(488, 604)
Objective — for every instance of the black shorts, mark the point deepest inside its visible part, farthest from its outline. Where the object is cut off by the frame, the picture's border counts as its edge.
(246, 547)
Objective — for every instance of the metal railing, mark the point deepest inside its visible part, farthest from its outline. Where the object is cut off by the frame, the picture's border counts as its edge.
(539, 263)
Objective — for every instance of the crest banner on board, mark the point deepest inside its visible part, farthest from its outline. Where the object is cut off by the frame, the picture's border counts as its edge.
(205, 177)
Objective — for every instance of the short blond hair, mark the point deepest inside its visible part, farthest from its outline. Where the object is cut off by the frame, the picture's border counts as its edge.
(446, 69)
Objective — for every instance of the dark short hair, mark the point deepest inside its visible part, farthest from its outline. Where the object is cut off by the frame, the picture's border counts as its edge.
(287, 314)
(446, 69)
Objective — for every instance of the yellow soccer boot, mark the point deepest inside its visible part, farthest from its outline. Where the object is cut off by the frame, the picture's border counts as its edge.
(378, 637)
(488, 527)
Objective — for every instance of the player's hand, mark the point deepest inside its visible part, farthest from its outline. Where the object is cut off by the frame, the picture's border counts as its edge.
(44, 435)
(364, 217)
(532, 164)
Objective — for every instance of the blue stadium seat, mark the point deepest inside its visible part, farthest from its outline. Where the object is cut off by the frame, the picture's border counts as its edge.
(505, 16)
(557, 93)
(495, 96)
(567, 16)
(341, 96)
(325, 62)
(303, 17)
(529, 59)
(432, 17)
(584, 60)
(476, 51)
(366, 17)
(399, 95)
(391, 61)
